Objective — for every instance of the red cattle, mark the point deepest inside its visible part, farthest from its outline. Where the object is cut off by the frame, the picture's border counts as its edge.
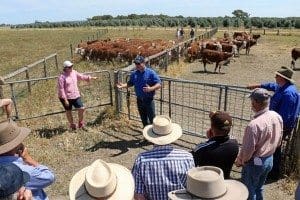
(295, 56)
(214, 56)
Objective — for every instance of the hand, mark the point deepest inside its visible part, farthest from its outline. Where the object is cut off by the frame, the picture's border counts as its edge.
(237, 162)
(27, 158)
(121, 85)
(94, 78)
(67, 102)
(147, 88)
(24, 194)
(251, 87)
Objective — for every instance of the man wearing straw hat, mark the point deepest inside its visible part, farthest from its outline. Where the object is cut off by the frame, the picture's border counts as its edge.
(13, 151)
(207, 182)
(101, 180)
(163, 168)
(285, 102)
(261, 138)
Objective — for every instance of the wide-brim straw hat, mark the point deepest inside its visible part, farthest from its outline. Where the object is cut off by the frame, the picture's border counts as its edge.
(109, 181)
(285, 73)
(11, 135)
(207, 182)
(162, 131)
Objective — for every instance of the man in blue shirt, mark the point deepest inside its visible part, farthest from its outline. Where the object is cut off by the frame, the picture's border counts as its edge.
(145, 82)
(285, 101)
(163, 168)
(13, 151)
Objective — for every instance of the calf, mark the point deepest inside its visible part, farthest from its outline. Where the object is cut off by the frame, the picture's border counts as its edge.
(295, 56)
(214, 56)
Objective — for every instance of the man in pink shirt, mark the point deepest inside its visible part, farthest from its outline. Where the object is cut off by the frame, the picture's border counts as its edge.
(68, 92)
(262, 136)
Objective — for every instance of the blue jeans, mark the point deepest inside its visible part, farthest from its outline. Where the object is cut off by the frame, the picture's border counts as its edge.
(146, 110)
(254, 176)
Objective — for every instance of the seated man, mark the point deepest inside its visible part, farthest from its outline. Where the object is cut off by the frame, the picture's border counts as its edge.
(13, 151)
(219, 150)
(163, 168)
(12, 181)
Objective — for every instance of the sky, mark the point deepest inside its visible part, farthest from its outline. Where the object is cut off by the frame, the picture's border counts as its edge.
(29, 11)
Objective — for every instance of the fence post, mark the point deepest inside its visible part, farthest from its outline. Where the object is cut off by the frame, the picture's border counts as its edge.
(45, 68)
(277, 31)
(264, 31)
(28, 77)
(71, 49)
(14, 99)
(1, 87)
(56, 62)
(166, 61)
(169, 92)
(117, 93)
(225, 98)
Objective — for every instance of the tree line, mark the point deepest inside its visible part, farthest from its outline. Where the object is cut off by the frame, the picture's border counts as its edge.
(239, 19)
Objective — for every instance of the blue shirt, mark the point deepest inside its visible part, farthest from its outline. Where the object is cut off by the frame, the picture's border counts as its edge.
(161, 170)
(141, 79)
(285, 102)
(40, 176)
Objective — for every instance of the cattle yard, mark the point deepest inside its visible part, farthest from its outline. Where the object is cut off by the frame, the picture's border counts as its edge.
(113, 139)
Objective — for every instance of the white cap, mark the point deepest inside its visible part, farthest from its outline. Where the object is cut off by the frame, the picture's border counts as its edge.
(68, 64)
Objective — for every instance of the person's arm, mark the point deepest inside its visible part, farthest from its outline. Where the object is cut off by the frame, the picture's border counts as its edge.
(149, 88)
(248, 146)
(40, 175)
(253, 86)
(121, 85)
(61, 88)
(139, 197)
(139, 189)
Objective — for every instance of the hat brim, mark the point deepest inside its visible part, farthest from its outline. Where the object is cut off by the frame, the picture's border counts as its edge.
(162, 139)
(24, 132)
(124, 190)
(235, 191)
(289, 79)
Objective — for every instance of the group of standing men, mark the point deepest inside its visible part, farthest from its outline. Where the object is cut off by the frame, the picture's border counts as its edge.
(274, 119)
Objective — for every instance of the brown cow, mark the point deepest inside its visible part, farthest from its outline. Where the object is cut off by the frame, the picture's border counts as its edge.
(214, 56)
(295, 56)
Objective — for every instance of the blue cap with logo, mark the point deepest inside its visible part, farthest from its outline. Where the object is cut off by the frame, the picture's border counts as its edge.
(139, 60)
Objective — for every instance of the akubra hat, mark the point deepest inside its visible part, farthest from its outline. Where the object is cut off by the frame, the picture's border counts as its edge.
(102, 180)
(11, 135)
(162, 131)
(207, 182)
(285, 73)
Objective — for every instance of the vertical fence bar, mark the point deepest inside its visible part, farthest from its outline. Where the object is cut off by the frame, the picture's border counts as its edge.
(220, 98)
(28, 77)
(45, 67)
(161, 98)
(170, 109)
(117, 92)
(13, 97)
(166, 61)
(71, 50)
(225, 98)
(56, 62)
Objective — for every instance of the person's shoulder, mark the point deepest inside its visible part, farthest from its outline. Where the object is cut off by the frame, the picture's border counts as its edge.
(204, 145)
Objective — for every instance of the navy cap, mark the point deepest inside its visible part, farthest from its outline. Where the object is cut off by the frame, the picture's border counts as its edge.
(139, 60)
(260, 94)
(12, 178)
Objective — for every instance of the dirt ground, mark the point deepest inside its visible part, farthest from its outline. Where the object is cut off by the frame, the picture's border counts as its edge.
(121, 143)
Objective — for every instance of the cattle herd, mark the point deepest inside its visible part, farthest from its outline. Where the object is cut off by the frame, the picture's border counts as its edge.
(219, 51)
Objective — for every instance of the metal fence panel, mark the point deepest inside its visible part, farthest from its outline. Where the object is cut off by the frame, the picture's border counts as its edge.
(43, 100)
(188, 103)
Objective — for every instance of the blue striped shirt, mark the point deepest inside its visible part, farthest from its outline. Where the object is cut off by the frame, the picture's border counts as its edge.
(161, 170)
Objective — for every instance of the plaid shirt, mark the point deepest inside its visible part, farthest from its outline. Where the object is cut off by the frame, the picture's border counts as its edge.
(161, 170)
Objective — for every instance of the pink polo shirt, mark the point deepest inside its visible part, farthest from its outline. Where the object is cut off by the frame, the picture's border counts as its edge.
(67, 84)
(262, 136)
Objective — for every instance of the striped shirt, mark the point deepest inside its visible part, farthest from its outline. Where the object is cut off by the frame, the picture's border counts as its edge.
(161, 170)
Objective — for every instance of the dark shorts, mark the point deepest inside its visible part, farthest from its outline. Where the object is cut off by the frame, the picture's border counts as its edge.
(72, 102)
